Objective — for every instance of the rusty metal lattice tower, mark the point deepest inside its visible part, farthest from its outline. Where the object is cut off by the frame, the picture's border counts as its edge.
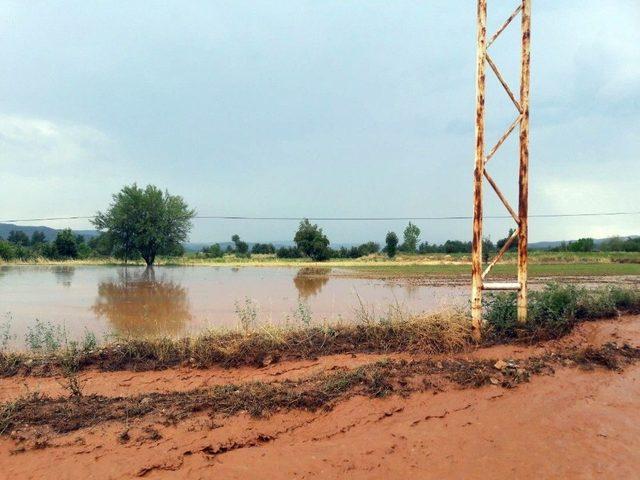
(481, 159)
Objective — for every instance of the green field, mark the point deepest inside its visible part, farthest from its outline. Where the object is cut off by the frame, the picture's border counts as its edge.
(502, 270)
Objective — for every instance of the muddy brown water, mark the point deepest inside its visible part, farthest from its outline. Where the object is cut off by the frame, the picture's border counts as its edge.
(177, 301)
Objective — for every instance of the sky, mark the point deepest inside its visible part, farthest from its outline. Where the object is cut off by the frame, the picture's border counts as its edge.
(315, 108)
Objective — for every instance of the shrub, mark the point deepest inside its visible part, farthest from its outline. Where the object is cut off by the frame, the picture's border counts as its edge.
(214, 251)
(555, 310)
(7, 250)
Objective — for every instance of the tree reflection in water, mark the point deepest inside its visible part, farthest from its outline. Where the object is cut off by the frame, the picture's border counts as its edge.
(309, 281)
(63, 274)
(140, 304)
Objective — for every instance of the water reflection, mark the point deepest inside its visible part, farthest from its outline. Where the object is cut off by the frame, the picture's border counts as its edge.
(141, 303)
(309, 281)
(63, 274)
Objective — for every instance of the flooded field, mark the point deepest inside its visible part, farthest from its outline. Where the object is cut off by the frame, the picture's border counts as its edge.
(184, 300)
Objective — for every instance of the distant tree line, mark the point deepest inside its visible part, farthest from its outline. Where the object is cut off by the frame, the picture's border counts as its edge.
(142, 223)
(615, 244)
(66, 245)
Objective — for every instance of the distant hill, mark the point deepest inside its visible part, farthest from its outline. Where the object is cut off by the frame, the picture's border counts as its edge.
(50, 233)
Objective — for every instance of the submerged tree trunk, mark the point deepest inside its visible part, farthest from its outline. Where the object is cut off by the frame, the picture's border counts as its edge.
(149, 258)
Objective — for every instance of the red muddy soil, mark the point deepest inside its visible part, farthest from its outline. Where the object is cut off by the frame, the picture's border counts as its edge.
(572, 424)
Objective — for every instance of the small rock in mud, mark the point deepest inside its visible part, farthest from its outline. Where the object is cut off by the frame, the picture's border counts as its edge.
(124, 436)
(500, 365)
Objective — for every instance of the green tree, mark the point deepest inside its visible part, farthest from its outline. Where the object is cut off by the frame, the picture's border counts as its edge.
(38, 237)
(101, 244)
(582, 245)
(66, 244)
(500, 243)
(18, 237)
(7, 250)
(263, 248)
(242, 248)
(311, 241)
(145, 222)
(392, 244)
(411, 238)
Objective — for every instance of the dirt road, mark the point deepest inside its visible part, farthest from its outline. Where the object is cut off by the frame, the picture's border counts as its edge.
(574, 423)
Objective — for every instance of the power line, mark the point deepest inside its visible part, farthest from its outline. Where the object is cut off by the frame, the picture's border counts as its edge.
(348, 219)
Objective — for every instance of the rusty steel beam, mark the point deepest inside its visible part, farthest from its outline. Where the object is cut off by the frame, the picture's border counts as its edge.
(502, 251)
(504, 26)
(523, 177)
(501, 196)
(476, 243)
(503, 83)
(504, 137)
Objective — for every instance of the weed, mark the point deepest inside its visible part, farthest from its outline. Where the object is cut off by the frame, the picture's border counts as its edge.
(44, 337)
(247, 313)
(5, 333)
(89, 341)
(302, 313)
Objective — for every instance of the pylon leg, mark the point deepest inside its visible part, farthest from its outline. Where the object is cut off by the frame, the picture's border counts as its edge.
(523, 178)
(476, 244)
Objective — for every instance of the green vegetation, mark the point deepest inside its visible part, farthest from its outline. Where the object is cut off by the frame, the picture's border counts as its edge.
(263, 249)
(214, 251)
(618, 244)
(145, 222)
(241, 248)
(553, 313)
(411, 238)
(311, 241)
(391, 241)
(66, 246)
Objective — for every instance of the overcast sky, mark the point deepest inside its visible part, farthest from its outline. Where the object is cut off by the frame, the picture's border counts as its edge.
(314, 108)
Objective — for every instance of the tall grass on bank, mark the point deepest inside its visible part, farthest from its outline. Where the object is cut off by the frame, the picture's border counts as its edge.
(553, 313)
(259, 346)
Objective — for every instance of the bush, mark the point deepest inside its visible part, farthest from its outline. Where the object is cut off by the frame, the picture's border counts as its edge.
(214, 251)
(555, 310)
(7, 250)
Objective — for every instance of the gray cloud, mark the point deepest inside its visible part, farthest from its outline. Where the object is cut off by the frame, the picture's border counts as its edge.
(313, 108)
